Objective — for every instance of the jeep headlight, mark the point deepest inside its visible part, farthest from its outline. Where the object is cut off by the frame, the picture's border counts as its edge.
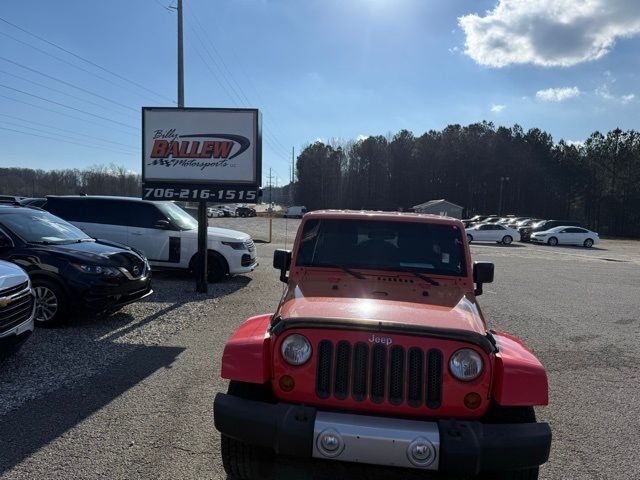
(465, 365)
(295, 349)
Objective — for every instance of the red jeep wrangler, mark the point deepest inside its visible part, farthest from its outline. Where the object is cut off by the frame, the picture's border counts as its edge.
(378, 353)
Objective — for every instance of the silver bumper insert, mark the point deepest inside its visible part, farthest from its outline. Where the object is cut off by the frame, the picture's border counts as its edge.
(375, 440)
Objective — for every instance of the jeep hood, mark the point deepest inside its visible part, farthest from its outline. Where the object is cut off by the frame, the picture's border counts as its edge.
(450, 308)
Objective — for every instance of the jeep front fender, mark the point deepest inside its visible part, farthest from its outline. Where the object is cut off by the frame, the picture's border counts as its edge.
(246, 356)
(520, 378)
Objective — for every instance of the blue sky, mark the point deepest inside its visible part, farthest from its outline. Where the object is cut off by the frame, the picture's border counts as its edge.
(317, 69)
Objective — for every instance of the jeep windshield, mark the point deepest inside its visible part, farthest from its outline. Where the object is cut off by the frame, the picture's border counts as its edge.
(436, 249)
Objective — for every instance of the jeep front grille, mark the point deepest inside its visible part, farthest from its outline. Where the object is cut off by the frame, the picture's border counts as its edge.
(379, 373)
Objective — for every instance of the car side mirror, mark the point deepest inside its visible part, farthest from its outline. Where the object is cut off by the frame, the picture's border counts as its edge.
(162, 224)
(282, 261)
(482, 273)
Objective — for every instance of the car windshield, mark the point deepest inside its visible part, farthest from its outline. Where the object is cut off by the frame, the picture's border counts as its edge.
(42, 227)
(178, 216)
(383, 245)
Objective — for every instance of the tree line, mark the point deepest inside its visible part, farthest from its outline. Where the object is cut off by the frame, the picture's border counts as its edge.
(596, 182)
(96, 180)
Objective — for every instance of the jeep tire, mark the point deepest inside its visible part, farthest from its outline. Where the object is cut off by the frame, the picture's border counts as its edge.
(498, 414)
(245, 462)
(240, 460)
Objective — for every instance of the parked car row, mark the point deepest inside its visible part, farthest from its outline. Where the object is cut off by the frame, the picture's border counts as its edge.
(226, 211)
(95, 254)
(505, 230)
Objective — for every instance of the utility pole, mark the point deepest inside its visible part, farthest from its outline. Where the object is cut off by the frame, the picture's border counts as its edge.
(270, 177)
(293, 175)
(502, 180)
(202, 268)
(180, 59)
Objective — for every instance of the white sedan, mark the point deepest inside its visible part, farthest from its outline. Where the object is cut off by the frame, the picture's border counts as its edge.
(567, 236)
(491, 232)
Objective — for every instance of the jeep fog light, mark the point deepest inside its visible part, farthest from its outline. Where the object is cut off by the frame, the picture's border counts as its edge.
(295, 349)
(465, 365)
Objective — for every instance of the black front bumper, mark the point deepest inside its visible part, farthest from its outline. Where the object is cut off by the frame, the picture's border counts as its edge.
(100, 294)
(466, 447)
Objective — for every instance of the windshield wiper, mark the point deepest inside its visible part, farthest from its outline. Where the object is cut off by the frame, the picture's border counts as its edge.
(422, 277)
(40, 242)
(353, 273)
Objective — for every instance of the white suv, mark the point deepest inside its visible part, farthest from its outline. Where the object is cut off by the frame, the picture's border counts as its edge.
(17, 308)
(162, 231)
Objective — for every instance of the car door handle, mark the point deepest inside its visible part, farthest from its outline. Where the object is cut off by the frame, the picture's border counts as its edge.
(137, 233)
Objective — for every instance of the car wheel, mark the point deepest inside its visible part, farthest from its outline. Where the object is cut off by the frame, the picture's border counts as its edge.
(469, 238)
(217, 267)
(553, 241)
(51, 302)
(588, 243)
(507, 239)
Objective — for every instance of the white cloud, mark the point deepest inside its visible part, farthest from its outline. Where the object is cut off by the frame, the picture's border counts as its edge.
(361, 137)
(548, 32)
(604, 91)
(495, 108)
(453, 50)
(557, 94)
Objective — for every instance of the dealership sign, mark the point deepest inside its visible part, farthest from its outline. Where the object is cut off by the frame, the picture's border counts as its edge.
(196, 154)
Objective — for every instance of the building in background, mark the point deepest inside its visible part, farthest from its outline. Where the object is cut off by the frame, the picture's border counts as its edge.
(439, 207)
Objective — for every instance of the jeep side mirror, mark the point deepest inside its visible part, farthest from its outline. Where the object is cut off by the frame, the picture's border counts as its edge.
(282, 261)
(162, 224)
(482, 273)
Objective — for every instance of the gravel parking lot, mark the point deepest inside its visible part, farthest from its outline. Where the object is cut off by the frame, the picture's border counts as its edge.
(129, 396)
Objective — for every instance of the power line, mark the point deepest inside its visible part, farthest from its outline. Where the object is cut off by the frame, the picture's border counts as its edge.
(64, 141)
(87, 60)
(68, 84)
(72, 64)
(237, 103)
(75, 140)
(65, 130)
(24, 79)
(67, 106)
(239, 88)
(84, 120)
(233, 83)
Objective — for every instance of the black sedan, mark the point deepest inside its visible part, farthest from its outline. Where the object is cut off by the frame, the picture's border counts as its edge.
(69, 270)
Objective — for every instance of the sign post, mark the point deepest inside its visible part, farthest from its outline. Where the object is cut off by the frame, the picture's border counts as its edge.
(201, 155)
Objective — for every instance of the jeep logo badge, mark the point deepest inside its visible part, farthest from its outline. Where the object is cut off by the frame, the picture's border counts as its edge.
(384, 340)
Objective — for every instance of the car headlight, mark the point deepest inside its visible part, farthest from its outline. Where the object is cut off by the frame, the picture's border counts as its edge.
(296, 349)
(235, 245)
(465, 365)
(98, 270)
